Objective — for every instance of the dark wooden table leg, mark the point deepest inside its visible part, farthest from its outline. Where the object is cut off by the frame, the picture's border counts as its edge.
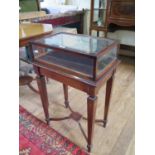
(65, 88)
(91, 112)
(43, 95)
(107, 99)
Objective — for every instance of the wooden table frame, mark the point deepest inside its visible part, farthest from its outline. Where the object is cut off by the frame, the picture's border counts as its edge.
(87, 86)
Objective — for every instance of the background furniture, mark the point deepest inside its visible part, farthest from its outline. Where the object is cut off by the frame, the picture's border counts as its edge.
(28, 32)
(106, 12)
(121, 16)
(58, 15)
(70, 19)
(121, 13)
(98, 16)
(114, 15)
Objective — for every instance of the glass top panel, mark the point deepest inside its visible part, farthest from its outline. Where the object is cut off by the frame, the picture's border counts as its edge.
(82, 43)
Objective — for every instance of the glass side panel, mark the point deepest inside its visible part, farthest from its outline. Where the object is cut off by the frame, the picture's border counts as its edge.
(82, 65)
(99, 13)
(106, 59)
(81, 43)
(39, 51)
(22, 54)
(99, 17)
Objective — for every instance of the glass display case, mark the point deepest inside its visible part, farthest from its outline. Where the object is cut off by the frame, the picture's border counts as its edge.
(98, 15)
(79, 55)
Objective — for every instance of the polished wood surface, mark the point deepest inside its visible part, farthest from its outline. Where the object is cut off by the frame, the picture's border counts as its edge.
(121, 12)
(65, 87)
(29, 31)
(91, 89)
(107, 100)
(30, 15)
(121, 16)
(73, 19)
(91, 115)
(43, 95)
(117, 138)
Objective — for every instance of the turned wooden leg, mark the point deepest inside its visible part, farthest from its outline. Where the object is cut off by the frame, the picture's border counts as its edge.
(107, 99)
(91, 112)
(65, 88)
(43, 95)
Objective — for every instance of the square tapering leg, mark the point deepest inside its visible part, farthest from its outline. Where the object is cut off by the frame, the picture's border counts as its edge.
(91, 112)
(107, 99)
(43, 95)
(65, 88)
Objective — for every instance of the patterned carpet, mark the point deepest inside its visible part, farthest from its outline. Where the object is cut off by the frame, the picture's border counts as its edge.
(36, 138)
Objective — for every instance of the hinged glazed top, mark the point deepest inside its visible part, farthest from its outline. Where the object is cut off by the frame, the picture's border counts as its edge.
(76, 43)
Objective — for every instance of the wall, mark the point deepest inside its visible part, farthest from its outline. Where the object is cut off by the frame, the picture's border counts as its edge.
(84, 4)
(54, 2)
(86, 21)
(81, 3)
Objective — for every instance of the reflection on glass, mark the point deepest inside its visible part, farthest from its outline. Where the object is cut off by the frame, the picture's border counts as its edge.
(99, 17)
(106, 59)
(68, 61)
(76, 43)
(60, 52)
(40, 51)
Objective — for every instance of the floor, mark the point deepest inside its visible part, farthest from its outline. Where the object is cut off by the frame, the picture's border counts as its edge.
(117, 138)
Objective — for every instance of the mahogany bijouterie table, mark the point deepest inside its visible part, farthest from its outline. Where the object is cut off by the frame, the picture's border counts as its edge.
(79, 61)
